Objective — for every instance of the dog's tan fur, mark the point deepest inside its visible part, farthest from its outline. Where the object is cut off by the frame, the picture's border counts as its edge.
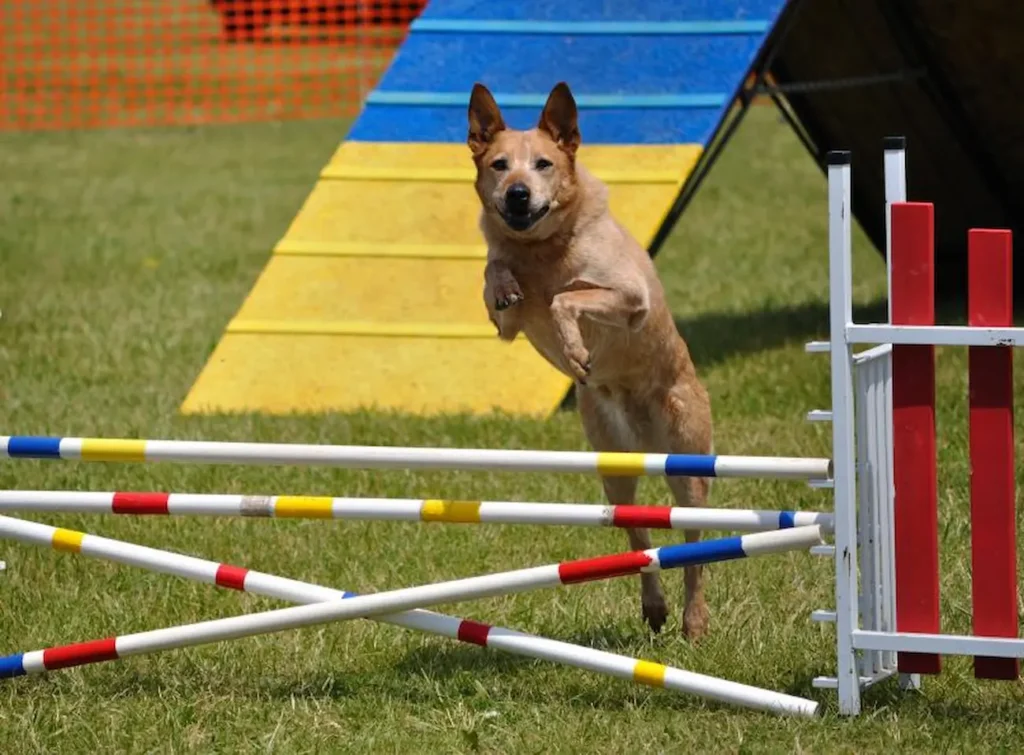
(587, 297)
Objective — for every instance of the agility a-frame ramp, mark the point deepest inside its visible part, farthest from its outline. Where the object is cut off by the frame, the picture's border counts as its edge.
(373, 297)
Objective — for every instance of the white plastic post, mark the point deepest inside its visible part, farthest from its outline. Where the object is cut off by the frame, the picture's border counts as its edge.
(843, 423)
(866, 506)
(884, 504)
(894, 164)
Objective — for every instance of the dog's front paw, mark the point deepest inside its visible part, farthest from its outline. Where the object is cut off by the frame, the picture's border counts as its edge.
(579, 364)
(507, 293)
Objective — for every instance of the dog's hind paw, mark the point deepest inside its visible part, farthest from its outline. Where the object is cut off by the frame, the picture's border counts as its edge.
(696, 620)
(655, 613)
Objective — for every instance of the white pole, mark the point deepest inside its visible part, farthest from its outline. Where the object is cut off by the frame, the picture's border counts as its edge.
(894, 165)
(318, 609)
(407, 509)
(895, 169)
(843, 421)
(387, 457)
(862, 409)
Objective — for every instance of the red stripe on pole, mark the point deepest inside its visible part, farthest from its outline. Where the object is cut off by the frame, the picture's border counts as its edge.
(603, 567)
(474, 632)
(80, 654)
(993, 518)
(659, 517)
(231, 576)
(140, 503)
(916, 502)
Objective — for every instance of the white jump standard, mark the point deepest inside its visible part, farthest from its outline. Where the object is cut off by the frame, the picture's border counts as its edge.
(887, 569)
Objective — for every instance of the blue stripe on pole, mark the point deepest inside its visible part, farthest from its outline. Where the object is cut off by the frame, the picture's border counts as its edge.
(787, 519)
(690, 465)
(345, 594)
(508, 26)
(689, 554)
(33, 447)
(11, 666)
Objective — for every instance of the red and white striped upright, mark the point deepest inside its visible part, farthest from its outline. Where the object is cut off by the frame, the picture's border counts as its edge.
(915, 478)
(993, 518)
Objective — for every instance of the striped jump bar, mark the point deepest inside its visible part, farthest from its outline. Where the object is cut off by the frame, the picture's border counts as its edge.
(366, 606)
(388, 457)
(464, 630)
(408, 510)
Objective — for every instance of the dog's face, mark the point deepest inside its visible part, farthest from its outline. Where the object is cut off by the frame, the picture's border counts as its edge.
(525, 178)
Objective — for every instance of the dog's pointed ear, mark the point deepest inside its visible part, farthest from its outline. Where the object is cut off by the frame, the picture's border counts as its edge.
(559, 119)
(485, 119)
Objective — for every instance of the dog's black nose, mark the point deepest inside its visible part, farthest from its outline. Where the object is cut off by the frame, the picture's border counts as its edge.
(517, 198)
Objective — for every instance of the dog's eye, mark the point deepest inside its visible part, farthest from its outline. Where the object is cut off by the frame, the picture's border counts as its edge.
(541, 164)
(501, 164)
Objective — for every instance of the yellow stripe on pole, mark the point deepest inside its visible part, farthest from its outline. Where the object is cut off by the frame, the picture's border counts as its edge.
(649, 673)
(460, 512)
(68, 541)
(303, 507)
(620, 464)
(113, 449)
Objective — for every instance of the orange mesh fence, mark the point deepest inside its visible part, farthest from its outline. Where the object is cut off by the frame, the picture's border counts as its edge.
(99, 63)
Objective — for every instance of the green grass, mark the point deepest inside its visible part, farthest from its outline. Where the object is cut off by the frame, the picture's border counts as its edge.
(122, 256)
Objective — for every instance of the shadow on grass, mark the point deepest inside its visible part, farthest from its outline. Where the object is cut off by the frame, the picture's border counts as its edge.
(461, 668)
(452, 660)
(715, 337)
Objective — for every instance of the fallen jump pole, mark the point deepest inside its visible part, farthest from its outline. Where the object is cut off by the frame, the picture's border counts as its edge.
(387, 457)
(402, 600)
(401, 509)
(471, 632)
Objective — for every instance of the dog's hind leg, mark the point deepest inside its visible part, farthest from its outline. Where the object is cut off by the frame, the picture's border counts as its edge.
(621, 491)
(607, 433)
(686, 429)
(693, 491)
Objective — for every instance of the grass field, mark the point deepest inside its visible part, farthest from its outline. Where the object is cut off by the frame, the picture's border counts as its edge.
(122, 256)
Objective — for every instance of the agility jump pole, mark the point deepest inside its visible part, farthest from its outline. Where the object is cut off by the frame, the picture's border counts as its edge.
(394, 607)
(518, 643)
(387, 457)
(407, 510)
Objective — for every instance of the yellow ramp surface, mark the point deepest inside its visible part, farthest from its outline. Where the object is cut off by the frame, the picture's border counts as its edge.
(373, 297)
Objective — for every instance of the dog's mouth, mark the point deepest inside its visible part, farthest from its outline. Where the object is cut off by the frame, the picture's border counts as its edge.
(522, 221)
